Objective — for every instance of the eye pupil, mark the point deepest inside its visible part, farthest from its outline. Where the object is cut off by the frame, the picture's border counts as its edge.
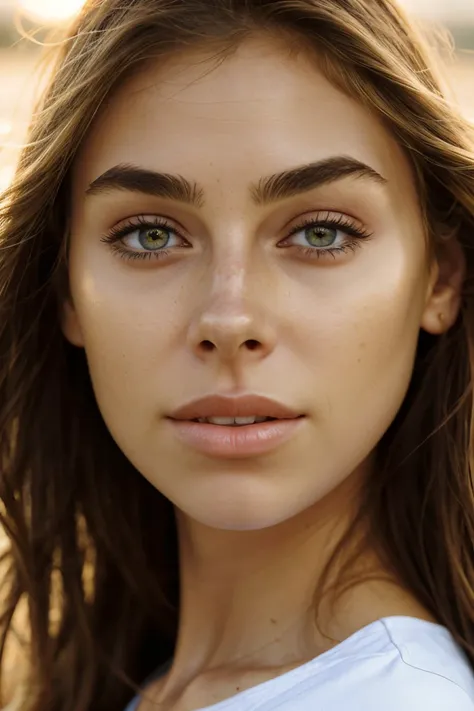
(320, 236)
(154, 237)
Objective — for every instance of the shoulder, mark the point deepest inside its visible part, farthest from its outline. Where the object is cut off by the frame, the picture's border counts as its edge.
(428, 664)
(403, 687)
(417, 665)
(397, 664)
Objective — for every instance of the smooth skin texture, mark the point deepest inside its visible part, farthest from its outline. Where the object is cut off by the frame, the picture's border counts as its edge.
(238, 306)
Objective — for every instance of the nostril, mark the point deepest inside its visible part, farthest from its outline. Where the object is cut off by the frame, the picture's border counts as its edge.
(251, 344)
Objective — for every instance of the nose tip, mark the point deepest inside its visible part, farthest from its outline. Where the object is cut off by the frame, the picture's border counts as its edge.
(227, 335)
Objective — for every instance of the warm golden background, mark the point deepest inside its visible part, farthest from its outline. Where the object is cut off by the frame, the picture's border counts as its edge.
(19, 58)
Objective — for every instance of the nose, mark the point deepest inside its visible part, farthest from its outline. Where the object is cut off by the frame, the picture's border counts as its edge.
(234, 322)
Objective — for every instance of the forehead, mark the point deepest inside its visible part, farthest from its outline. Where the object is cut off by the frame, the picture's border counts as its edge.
(193, 113)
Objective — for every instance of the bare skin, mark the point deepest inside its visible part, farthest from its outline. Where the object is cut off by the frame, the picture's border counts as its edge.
(333, 335)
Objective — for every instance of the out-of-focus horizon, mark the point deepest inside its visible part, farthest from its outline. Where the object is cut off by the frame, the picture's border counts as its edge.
(440, 9)
(19, 57)
(58, 10)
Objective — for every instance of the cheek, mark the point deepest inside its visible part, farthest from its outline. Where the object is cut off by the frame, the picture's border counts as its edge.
(129, 334)
(363, 347)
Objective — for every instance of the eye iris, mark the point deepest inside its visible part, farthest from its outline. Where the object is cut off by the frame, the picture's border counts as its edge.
(320, 236)
(153, 237)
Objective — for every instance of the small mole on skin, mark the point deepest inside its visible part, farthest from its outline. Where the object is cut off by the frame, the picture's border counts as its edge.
(273, 621)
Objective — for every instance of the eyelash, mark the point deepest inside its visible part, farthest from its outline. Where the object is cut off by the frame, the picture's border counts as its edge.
(356, 235)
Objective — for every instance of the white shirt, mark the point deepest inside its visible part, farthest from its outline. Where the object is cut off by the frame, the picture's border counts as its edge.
(394, 664)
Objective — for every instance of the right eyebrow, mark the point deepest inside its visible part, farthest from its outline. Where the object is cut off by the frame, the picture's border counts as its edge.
(270, 189)
(139, 180)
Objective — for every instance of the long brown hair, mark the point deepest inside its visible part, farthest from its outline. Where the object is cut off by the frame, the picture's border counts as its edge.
(92, 553)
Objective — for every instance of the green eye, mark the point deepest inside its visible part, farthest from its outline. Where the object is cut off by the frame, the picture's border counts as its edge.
(153, 238)
(320, 236)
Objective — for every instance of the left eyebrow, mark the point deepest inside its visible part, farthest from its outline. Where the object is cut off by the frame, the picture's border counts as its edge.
(311, 176)
(270, 189)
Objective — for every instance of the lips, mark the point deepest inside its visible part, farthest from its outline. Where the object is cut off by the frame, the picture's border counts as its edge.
(233, 421)
(235, 427)
(244, 406)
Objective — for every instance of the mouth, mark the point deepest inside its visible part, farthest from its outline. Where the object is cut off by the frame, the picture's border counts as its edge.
(235, 421)
(235, 427)
(235, 437)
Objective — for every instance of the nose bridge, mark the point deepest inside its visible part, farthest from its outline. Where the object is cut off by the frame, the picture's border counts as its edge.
(229, 309)
(229, 287)
(232, 313)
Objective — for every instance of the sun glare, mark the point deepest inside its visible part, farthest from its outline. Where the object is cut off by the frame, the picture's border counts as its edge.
(50, 11)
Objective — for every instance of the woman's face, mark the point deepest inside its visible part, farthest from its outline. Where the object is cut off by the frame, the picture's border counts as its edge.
(309, 288)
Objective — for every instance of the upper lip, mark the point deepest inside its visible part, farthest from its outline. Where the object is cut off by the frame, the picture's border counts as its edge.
(242, 406)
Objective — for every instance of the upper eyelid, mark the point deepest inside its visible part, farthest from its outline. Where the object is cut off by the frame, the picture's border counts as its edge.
(128, 226)
(301, 221)
(137, 221)
(330, 217)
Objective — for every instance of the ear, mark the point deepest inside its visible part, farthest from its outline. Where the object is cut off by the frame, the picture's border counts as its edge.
(70, 325)
(445, 287)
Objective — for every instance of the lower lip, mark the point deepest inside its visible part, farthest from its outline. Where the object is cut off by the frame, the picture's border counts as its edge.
(238, 441)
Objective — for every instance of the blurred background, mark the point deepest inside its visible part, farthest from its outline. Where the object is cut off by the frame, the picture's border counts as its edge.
(19, 57)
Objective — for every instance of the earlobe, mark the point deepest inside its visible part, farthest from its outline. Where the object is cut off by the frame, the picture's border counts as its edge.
(437, 322)
(70, 325)
(445, 290)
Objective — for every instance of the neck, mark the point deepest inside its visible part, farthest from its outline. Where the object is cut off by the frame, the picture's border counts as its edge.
(248, 597)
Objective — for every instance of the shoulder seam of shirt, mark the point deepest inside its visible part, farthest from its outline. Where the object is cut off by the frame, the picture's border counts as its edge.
(426, 671)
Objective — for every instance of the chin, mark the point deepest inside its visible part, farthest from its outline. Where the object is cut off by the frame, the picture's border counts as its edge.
(235, 523)
(230, 516)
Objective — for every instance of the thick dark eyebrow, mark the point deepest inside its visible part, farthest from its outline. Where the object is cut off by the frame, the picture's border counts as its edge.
(308, 177)
(139, 180)
(270, 189)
